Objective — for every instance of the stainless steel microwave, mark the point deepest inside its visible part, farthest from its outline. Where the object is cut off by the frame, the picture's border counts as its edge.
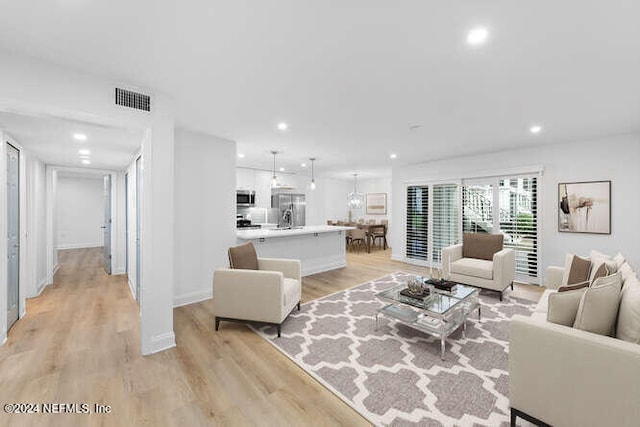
(245, 198)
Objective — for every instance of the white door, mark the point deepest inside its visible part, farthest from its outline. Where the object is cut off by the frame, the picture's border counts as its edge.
(13, 233)
(106, 228)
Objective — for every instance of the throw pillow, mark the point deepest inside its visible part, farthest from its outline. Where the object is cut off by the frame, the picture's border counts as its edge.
(580, 285)
(598, 307)
(619, 259)
(576, 270)
(597, 260)
(627, 273)
(243, 257)
(563, 306)
(481, 245)
(628, 326)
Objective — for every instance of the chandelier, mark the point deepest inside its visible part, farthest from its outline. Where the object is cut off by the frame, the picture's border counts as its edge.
(356, 200)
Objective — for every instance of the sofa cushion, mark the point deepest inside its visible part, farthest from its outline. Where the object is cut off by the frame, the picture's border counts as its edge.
(619, 259)
(291, 293)
(576, 270)
(473, 267)
(563, 306)
(580, 285)
(599, 305)
(243, 257)
(628, 326)
(481, 245)
(627, 273)
(597, 259)
(543, 303)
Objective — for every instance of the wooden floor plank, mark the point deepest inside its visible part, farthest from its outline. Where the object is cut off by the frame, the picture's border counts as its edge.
(80, 343)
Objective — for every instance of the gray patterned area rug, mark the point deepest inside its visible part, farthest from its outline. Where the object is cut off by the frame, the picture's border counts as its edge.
(394, 375)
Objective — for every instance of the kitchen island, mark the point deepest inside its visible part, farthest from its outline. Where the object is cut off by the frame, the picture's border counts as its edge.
(318, 247)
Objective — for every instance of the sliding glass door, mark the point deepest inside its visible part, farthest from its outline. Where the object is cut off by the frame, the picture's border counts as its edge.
(438, 214)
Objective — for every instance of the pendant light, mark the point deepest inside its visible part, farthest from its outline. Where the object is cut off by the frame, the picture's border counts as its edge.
(274, 179)
(313, 178)
(356, 200)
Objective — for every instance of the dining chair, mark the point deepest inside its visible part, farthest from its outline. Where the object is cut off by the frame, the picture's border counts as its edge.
(379, 233)
(329, 222)
(358, 237)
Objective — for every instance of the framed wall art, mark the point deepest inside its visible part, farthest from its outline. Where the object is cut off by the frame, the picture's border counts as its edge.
(584, 207)
(376, 203)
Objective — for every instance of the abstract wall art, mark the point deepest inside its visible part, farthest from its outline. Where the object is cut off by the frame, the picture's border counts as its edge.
(584, 207)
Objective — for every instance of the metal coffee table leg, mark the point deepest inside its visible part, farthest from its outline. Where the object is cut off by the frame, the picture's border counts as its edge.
(442, 346)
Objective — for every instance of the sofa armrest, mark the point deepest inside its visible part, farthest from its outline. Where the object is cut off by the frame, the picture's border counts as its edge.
(554, 277)
(450, 254)
(248, 294)
(504, 267)
(290, 268)
(566, 377)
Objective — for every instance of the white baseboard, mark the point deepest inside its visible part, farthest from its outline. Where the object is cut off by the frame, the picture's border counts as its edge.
(55, 269)
(132, 288)
(118, 272)
(3, 338)
(397, 257)
(192, 297)
(159, 343)
(79, 246)
(322, 268)
(43, 284)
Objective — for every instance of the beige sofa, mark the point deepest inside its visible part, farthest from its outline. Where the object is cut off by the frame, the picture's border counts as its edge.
(562, 376)
(265, 295)
(486, 265)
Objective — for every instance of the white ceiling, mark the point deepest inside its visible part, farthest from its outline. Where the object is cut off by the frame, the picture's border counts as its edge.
(349, 77)
(51, 140)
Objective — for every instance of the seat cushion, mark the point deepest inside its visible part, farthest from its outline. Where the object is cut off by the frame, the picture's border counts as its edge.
(473, 267)
(292, 293)
(243, 257)
(481, 245)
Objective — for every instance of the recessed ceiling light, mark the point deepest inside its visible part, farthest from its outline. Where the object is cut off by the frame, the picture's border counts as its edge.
(535, 129)
(477, 36)
(281, 169)
(304, 165)
(84, 152)
(86, 161)
(79, 136)
(282, 126)
(241, 155)
(393, 155)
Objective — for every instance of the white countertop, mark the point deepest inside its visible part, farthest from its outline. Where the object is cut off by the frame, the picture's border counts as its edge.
(267, 233)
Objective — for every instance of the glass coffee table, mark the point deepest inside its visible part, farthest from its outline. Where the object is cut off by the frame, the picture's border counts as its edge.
(439, 314)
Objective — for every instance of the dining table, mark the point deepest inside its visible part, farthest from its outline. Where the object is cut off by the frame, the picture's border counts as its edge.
(370, 229)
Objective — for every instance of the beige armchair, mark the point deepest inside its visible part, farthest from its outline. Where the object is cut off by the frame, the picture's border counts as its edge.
(480, 261)
(266, 294)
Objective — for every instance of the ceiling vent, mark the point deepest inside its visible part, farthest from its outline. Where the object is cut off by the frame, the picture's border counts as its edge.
(128, 98)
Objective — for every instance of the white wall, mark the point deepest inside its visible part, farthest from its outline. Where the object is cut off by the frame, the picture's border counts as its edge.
(614, 158)
(80, 210)
(204, 212)
(36, 226)
(38, 87)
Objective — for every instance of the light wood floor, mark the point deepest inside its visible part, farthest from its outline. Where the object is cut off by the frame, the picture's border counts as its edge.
(80, 343)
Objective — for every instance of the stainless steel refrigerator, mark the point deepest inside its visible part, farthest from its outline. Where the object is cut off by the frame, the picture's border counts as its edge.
(290, 208)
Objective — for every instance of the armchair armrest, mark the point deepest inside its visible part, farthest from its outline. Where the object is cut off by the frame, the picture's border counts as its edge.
(504, 266)
(450, 254)
(290, 268)
(559, 375)
(248, 294)
(554, 277)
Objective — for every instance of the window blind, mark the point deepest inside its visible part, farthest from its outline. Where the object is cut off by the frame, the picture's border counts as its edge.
(445, 219)
(477, 208)
(417, 222)
(519, 222)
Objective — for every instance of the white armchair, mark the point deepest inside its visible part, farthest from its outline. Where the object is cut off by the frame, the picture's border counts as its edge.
(266, 295)
(487, 266)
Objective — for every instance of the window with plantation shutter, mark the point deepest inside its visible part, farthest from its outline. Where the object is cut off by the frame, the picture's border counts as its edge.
(477, 208)
(519, 222)
(445, 219)
(417, 222)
